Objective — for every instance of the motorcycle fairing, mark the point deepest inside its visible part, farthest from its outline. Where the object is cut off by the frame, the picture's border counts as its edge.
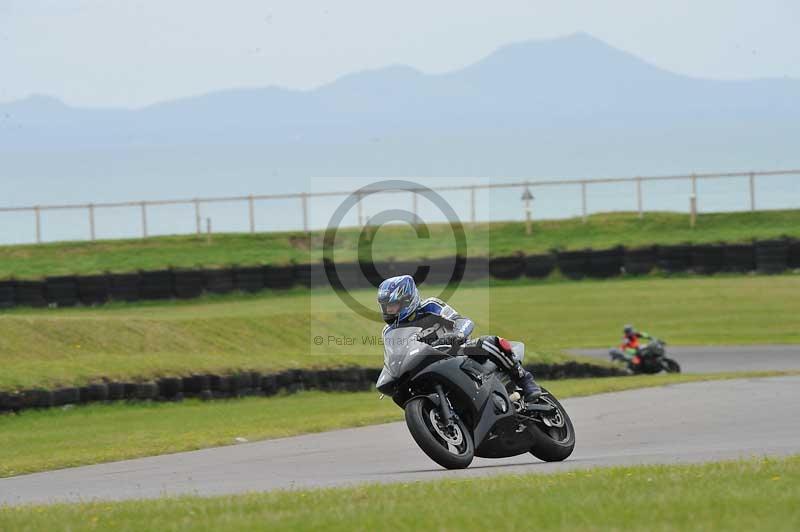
(489, 424)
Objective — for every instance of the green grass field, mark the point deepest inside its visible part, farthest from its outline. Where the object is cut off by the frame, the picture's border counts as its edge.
(39, 440)
(269, 332)
(758, 494)
(401, 242)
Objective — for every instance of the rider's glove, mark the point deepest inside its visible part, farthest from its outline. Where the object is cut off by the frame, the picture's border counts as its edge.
(453, 339)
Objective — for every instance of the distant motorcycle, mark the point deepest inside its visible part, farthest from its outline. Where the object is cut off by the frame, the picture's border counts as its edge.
(457, 408)
(650, 359)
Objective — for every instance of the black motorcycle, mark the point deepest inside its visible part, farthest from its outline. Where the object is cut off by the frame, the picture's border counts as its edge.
(457, 408)
(651, 358)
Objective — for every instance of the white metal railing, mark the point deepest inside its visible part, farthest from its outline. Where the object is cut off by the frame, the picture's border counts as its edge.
(303, 197)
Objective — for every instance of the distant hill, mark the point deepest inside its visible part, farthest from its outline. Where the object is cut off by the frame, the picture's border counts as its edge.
(530, 87)
(568, 107)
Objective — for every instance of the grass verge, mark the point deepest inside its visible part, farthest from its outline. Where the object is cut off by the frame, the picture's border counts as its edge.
(756, 494)
(269, 332)
(55, 438)
(500, 238)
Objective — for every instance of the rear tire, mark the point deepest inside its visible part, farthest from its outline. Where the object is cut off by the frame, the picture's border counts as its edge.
(419, 412)
(671, 366)
(553, 444)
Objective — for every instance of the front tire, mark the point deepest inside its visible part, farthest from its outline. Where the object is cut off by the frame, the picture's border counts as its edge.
(671, 366)
(554, 441)
(452, 451)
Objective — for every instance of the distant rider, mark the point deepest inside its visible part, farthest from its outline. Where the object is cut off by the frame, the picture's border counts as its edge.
(400, 305)
(631, 344)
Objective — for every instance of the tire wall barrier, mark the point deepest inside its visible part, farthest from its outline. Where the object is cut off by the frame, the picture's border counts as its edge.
(640, 261)
(573, 264)
(219, 281)
(707, 259)
(248, 279)
(188, 284)
(739, 257)
(511, 267)
(767, 256)
(794, 254)
(539, 266)
(278, 277)
(245, 383)
(125, 287)
(772, 256)
(7, 299)
(93, 289)
(63, 291)
(159, 284)
(30, 294)
(675, 259)
(606, 263)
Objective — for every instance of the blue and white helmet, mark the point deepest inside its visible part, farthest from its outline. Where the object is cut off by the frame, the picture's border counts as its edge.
(398, 298)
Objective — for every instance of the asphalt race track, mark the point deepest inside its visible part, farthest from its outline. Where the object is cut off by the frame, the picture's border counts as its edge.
(682, 423)
(724, 358)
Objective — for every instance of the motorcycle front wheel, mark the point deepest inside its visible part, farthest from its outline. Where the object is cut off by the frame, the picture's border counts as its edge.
(451, 448)
(671, 366)
(554, 434)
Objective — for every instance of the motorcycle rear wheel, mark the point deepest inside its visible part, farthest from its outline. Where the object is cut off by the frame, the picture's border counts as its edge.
(553, 443)
(450, 451)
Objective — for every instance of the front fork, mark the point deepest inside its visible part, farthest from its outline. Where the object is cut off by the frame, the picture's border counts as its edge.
(444, 407)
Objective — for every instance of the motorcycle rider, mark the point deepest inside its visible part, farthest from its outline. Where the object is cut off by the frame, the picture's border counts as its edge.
(630, 342)
(399, 300)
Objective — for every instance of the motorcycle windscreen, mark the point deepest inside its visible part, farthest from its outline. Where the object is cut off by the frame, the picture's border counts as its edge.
(398, 344)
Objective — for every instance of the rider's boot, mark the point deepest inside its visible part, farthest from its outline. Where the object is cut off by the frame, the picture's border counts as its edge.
(530, 390)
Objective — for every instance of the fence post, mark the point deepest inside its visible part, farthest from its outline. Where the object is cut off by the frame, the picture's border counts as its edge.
(144, 219)
(526, 198)
(38, 212)
(91, 221)
(752, 191)
(472, 204)
(252, 211)
(304, 203)
(639, 197)
(197, 216)
(414, 203)
(692, 210)
(583, 200)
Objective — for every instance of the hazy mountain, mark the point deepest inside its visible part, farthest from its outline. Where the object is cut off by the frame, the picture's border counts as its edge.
(570, 107)
(532, 87)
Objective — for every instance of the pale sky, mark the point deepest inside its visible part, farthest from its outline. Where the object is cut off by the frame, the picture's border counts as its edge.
(107, 52)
